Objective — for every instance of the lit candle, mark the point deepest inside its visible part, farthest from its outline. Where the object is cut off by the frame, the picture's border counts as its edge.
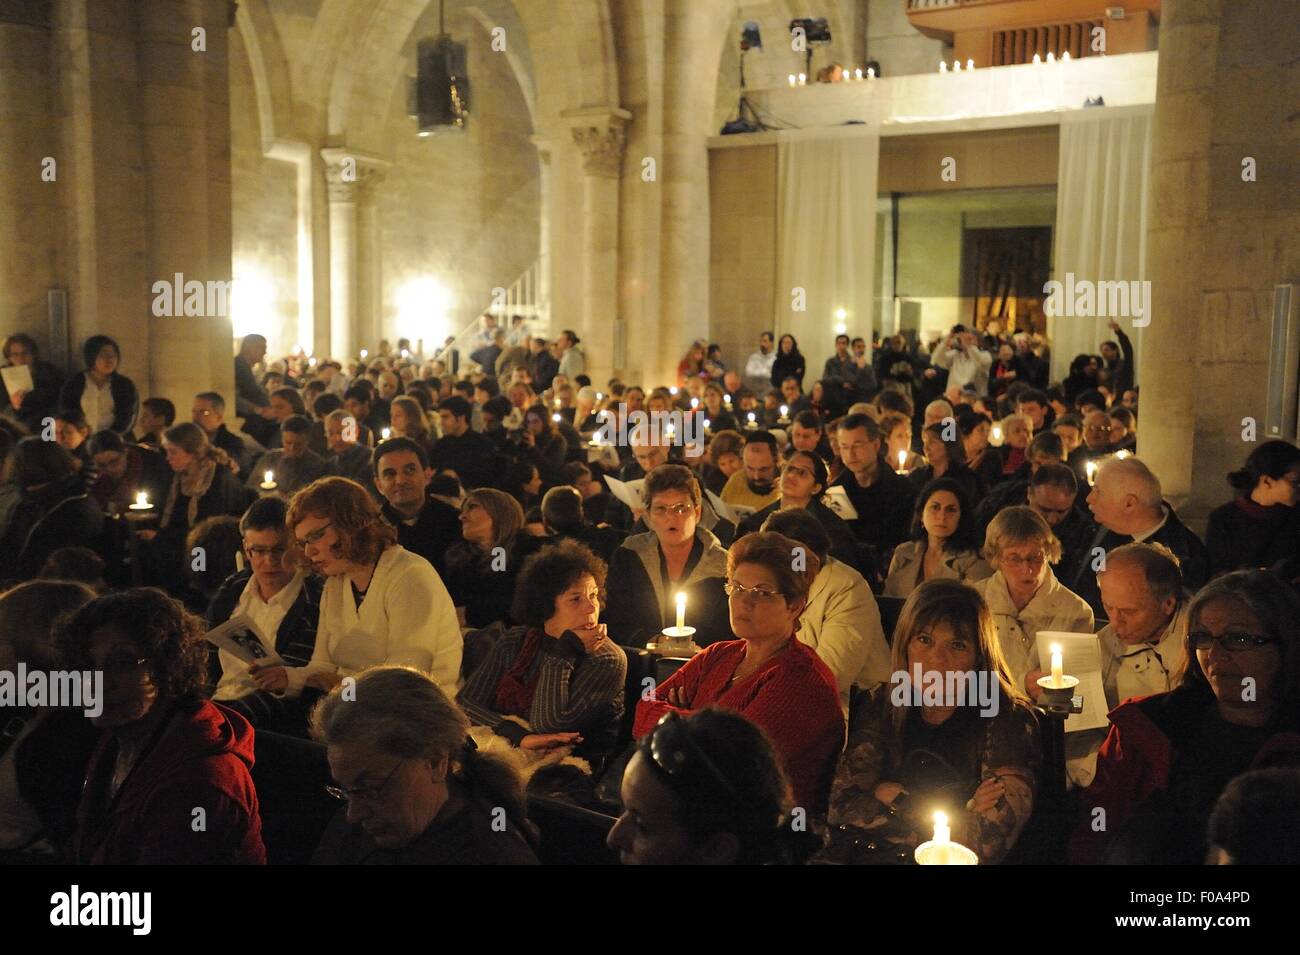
(599, 396)
(312, 361)
(803, 79)
(1065, 57)
(557, 402)
(364, 353)
(753, 421)
(681, 610)
(785, 411)
(794, 80)
(956, 66)
(1058, 666)
(726, 399)
(970, 64)
(1091, 467)
(707, 424)
(555, 418)
(1037, 58)
(142, 502)
(996, 434)
(857, 74)
(943, 66)
(405, 353)
(386, 433)
(942, 832)
(1051, 57)
(902, 461)
(695, 403)
(268, 480)
(673, 391)
(1121, 455)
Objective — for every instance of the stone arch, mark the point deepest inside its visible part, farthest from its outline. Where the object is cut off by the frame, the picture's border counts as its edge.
(270, 68)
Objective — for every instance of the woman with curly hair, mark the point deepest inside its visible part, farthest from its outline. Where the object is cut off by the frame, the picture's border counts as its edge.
(165, 752)
(557, 679)
(381, 603)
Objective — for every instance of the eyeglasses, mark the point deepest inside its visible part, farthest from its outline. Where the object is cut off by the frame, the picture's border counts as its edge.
(740, 592)
(798, 471)
(120, 664)
(315, 535)
(1095, 429)
(1015, 561)
(274, 552)
(1232, 642)
(362, 792)
(677, 510)
(673, 750)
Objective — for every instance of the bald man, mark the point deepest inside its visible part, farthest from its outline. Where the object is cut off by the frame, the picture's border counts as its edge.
(1127, 505)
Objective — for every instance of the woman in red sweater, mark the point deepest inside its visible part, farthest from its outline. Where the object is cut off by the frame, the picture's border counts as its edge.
(767, 675)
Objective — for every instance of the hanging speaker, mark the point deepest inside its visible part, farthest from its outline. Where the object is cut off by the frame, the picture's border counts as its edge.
(440, 93)
(1283, 401)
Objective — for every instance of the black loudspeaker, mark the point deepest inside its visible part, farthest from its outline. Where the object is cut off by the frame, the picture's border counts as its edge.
(439, 96)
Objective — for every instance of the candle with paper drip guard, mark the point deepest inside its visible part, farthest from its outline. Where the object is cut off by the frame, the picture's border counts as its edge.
(677, 639)
(268, 481)
(141, 503)
(1058, 686)
(995, 436)
(941, 850)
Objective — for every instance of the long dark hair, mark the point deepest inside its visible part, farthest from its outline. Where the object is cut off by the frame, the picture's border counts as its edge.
(964, 537)
(794, 345)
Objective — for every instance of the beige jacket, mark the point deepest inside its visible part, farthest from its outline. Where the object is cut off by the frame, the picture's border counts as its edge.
(842, 623)
(905, 568)
(1053, 607)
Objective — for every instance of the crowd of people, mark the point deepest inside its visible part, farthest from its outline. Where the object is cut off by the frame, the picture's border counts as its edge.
(441, 603)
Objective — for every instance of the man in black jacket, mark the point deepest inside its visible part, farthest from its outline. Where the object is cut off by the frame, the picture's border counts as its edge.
(461, 449)
(425, 525)
(883, 499)
(1127, 505)
(284, 603)
(209, 413)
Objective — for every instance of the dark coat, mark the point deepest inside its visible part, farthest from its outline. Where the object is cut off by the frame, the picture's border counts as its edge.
(787, 365)
(41, 402)
(843, 546)
(50, 767)
(436, 528)
(470, 455)
(201, 758)
(58, 517)
(126, 400)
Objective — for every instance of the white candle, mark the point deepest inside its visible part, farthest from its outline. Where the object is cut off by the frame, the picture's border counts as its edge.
(803, 79)
(385, 434)
(1037, 58)
(1058, 668)
(726, 399)
(996, 434)
(857, 74)
(942, 832)
(1121, 455)
(794, 80)
(406, 353)
(785, 410)
(268, 477)
(695, 403)
(871, 72)
(970, 64)
(902, 460)
(943, 66)
(1091, 468)
(956, 66)
(681, 610)
(1051, 57)
(555, 418)
(142, 502)
(1065, 57)
(752, 419)
(364, 353)
(599, 396)
(673, 391)
(707, 424)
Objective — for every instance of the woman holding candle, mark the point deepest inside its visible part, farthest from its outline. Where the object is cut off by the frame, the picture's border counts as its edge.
(768, 675)
(897, 430)
(1168, 757)
(905, 761)
(715, 410)
(1024, 595)
(556, 680)
(380, 604)
(943, 541)
(676, 555)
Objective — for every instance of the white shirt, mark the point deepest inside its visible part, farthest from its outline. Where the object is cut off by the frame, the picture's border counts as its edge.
(965, 367)
(97, 404)
(268, 615)
(760, 365)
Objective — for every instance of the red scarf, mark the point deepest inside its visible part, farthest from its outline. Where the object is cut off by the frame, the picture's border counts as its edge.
(516, 689)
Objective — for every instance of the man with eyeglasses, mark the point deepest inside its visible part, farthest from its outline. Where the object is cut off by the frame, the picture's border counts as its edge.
(284, 603)
(29, 405)
(1096, 444)
(1128, 505)
(883, 499)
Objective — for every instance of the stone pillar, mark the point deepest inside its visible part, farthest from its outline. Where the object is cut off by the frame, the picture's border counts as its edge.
(545, 259)
(370, 279)
(1222, 233)
(348, 178)
(599, 136)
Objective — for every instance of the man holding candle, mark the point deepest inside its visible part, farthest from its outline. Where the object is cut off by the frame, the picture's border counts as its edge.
(293, 465)
(881, 497)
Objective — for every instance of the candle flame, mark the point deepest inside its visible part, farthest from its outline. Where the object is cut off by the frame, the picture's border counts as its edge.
(268, 477)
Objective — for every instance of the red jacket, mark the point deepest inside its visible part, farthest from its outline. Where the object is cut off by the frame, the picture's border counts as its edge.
(200, 762)
(1146, 735)
(792, 697)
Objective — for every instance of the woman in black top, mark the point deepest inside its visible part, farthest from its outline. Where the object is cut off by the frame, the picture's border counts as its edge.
(946, 459)
(481, 568)
(788, 362)
(54, 511)
(1262, 526)
(102, 357)
(417, 791)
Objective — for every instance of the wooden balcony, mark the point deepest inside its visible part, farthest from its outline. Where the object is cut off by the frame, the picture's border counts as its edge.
(1004, 32)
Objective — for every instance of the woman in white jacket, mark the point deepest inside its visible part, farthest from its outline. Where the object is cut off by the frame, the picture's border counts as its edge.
(381, 603)
(842, 620)
(1023, 594)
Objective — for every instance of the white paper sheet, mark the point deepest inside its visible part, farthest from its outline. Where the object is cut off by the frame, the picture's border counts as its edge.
(240, 637)
(629, 492)
(837, 499)
(17, 378)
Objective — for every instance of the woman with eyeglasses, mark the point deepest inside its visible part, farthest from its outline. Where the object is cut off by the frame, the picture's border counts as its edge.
(556, 680)
(284, 601)
(380, 604)
(165, 752)
(416, 791)
(1168, 757)
(1023, 594)
(107, 397)
(706, 789)
(483, 566)
(1262, 526)
(768, 675)
(972, 753)
(677, 555)
(943, 541)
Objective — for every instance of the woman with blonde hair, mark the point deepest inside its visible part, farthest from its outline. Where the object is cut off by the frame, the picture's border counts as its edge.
(1023, 594)
(482, 567)
(203, 484)
(415, 789)
(381, 603)
(408, 421)
(950, 732)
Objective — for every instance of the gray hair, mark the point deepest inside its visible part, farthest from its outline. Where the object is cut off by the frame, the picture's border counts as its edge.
(1136, 479)
(395, 710)
(1020, 525)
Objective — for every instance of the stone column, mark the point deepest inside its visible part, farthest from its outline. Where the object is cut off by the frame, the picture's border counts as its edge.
(545, 259)
(347, 176)
(1224, 213)
(600, 137)
(370, 279)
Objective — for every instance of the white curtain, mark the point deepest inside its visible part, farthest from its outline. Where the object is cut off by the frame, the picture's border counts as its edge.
(826, 233)
(1101, 219)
